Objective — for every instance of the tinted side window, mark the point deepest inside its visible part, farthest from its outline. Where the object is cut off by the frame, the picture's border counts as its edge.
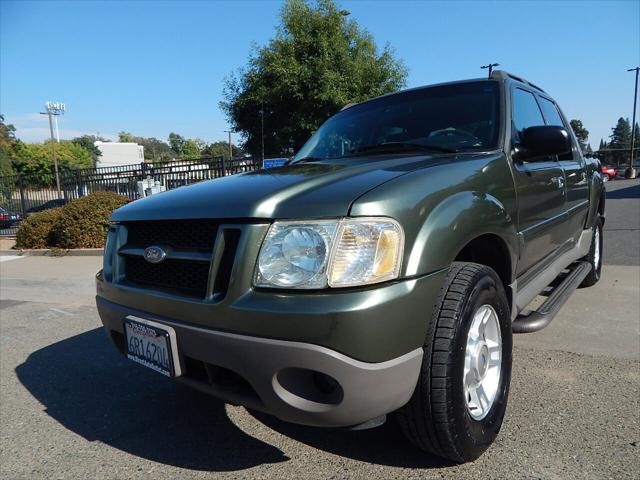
(551, 112)
(553, 118)
(526, 112)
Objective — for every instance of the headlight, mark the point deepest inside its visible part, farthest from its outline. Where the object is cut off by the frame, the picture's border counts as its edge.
(335, 253)
(294, 255)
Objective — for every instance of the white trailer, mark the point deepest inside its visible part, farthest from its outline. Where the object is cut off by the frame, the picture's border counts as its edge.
(115, 154)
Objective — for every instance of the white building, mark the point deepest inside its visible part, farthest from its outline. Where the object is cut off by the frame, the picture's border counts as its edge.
(115, 154)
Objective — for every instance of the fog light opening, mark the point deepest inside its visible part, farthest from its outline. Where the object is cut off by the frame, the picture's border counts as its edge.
(308, 389)
(325, 383)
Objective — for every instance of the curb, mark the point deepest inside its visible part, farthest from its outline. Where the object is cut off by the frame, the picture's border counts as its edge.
(77, 252)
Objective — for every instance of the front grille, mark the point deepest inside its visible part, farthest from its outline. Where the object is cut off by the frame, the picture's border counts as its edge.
(179, 276)
(179, 234)
(182, 276)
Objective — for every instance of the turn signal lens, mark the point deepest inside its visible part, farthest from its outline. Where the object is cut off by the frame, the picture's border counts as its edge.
(367, 251)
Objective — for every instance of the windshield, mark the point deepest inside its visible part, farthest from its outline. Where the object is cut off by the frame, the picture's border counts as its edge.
(456, 117)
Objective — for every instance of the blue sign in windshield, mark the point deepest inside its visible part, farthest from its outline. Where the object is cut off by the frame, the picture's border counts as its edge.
(274, 162)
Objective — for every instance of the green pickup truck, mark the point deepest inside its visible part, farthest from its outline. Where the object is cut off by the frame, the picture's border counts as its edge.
(383, 270)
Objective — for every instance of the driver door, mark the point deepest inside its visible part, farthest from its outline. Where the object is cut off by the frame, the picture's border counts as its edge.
(540, 188)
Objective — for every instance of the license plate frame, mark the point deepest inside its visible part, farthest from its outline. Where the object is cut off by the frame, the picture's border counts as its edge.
(136, 329)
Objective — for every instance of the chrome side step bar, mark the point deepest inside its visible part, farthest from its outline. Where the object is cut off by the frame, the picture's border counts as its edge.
(542, 317)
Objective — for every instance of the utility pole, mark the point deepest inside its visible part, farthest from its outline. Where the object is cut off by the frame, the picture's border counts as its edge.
(262, 130)
(54, 109)
(490, 67)
(633, 123)
(230, 149)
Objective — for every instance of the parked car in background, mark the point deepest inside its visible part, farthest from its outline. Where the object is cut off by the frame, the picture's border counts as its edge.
(59, 202)
(608, 173)
(9, 219)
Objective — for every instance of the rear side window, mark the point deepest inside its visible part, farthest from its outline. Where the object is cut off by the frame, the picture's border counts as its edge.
(526, 112)
(551, 112)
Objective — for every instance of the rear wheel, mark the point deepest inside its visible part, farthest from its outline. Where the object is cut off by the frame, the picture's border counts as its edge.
(595, 255)
(460, 400)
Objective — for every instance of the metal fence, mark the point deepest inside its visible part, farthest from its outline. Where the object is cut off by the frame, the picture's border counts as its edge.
(24, 194)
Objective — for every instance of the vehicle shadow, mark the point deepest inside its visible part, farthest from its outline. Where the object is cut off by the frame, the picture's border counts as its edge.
(632, 191)
(384, 445)
(95, 392)
(92, 390)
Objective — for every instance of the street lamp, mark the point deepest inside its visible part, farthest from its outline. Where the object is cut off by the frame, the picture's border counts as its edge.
(630, 173)
(53, 110)
(490, 67)
(262, 130)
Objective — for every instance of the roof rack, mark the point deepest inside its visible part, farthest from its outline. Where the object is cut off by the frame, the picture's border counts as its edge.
(502, 75)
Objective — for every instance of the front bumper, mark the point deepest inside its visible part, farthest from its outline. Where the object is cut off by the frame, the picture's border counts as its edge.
(280, 377)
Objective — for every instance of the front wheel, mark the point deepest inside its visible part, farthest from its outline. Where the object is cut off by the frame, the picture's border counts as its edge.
(595, 255)
(457, 408)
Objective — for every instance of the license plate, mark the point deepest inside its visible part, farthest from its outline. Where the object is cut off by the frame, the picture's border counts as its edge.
(153, 345)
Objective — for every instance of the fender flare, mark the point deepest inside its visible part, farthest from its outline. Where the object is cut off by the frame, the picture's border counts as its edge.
(452, 224)
(597, 199)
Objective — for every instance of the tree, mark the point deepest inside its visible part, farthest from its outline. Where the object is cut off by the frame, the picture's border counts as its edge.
(602, 152)
(7, 141)
(88, 142)
(154, 149)
(125, 137)
(34, 159)
(7, 133)
(582, 134)
(221, 149)
(176, 142)
(318, 61)
(588, 151)
(620, 141)
(190, 149)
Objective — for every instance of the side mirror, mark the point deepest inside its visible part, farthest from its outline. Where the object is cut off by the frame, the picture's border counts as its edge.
(544, 141)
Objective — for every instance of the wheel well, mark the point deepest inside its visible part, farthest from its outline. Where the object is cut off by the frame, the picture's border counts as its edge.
(489, 250)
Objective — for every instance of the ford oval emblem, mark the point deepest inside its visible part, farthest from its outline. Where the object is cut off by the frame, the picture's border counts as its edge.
(154, 254)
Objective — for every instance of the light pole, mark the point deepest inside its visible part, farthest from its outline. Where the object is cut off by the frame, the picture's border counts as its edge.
(633, 124)
(490, 67)
(262, 130)
(54, 109)
(230, 149)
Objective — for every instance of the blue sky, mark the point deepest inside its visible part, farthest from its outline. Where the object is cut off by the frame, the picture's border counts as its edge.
(155, 67)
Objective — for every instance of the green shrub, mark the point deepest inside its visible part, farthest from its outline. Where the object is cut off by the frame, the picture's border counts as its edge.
(84, 222)
(36, 231)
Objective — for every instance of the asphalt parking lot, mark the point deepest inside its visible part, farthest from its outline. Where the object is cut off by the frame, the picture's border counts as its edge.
(70, 407)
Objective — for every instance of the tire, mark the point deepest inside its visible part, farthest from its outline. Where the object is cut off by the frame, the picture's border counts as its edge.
(438, 419)
(594, 256)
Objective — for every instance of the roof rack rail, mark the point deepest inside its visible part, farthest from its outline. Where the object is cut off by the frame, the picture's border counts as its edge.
(502, 75)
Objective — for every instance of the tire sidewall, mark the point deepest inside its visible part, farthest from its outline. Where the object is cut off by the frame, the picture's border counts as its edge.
(477, 435)
(597, 268)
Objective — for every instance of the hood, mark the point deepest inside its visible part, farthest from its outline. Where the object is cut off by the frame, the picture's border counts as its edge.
(308, 190)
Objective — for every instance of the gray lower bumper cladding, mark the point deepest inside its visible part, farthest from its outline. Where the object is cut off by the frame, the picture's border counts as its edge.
(297, 382)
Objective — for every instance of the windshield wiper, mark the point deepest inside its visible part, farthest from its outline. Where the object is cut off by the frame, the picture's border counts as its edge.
(398, 146)
(308, 159)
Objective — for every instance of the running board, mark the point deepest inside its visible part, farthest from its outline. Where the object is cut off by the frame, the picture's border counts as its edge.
(542, 317)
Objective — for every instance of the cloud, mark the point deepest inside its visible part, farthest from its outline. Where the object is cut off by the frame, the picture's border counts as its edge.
(34, 127)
